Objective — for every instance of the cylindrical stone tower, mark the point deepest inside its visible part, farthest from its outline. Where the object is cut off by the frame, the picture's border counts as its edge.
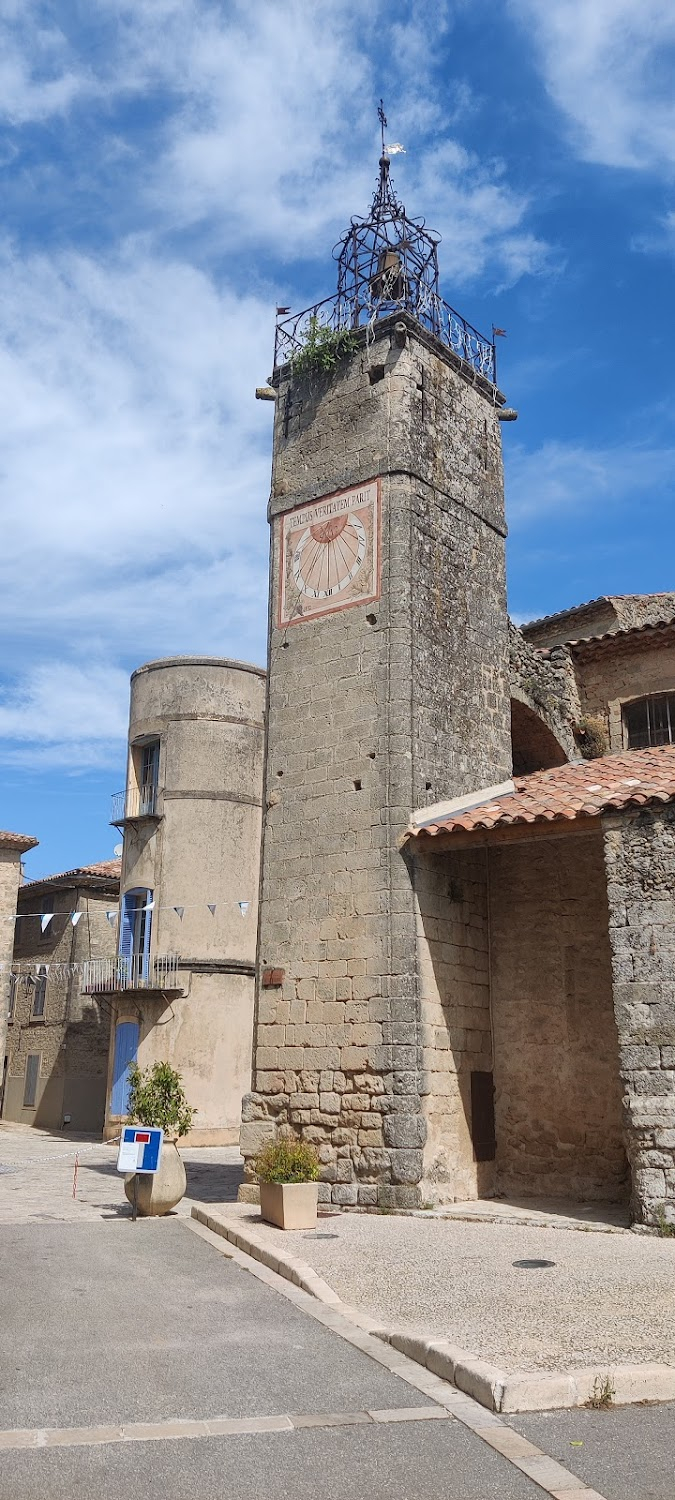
(191, 818)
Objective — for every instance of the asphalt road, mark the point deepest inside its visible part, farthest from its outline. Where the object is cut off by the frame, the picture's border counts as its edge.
(118, 1323)
(110, 1323)
(626, 1454)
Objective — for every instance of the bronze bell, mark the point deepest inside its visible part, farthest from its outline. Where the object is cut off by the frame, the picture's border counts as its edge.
(388, 283)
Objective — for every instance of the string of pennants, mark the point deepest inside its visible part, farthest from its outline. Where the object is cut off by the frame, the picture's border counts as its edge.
(113, 914)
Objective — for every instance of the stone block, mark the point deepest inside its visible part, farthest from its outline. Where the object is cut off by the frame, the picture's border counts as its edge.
(406, 1166)
(330, 1103)
(254, 1135)
(345, 1194)
(404, 1131)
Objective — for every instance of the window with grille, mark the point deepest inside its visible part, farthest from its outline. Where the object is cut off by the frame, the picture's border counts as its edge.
(39, 995)
(650, 721)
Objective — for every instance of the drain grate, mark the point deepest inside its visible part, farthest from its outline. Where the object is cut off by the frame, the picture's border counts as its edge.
(533, 1265)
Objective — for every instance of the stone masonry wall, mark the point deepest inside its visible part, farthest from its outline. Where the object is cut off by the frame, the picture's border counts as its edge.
(546, 684)
(640, 864)
(621, 669)
(372, 711)
(10, 875)
(557, 1093)
(72, 1037)
(453, 936)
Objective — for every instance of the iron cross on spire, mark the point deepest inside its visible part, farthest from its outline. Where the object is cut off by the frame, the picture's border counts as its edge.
(382, 119)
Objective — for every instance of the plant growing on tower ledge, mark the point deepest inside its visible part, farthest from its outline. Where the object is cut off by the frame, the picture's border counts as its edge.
(322, 350)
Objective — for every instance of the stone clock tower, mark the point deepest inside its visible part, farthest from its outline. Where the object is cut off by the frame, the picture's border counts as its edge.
(388, 690)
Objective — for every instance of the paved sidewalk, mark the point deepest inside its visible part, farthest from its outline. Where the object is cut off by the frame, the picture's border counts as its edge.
(37, 1170)
(605, 1299)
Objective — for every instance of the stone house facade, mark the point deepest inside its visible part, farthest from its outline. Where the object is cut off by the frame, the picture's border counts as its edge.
(58, 1035)
(12, 847)
(467, 905)
(181, 984)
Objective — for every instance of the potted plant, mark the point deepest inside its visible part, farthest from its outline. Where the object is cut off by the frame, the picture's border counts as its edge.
(287, 1170)
(157, 1098)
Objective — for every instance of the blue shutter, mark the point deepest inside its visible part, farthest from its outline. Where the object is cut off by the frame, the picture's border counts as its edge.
(127, 933)
(145, 961)
(126, 1048)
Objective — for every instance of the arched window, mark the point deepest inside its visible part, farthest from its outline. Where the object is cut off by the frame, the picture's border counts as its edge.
(650, 721)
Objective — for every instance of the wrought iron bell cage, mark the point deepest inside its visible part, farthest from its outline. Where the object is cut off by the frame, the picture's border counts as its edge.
(387, 262)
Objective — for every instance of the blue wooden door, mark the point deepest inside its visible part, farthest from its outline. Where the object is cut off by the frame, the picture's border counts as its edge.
(126, 1048)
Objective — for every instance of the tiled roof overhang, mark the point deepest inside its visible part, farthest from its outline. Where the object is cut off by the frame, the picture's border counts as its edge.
(104, 876)
(566, 794)
(19, 841)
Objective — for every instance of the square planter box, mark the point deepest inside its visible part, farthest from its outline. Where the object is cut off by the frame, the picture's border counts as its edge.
(289, 1205)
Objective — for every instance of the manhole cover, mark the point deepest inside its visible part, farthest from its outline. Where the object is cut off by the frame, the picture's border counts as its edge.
(4, 1168)
(322, 1236)
(533, 1265)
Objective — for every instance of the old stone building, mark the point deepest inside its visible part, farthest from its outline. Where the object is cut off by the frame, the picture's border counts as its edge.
(12, 846)
(467, 920)
(58, 1035)
(181, 984)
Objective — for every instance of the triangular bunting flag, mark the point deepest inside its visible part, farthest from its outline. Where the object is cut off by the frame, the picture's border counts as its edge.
(243, 907)
(112, 917)
(45, 919)
(212, 908)
(179, 911)
(75, 917)
(149, 906)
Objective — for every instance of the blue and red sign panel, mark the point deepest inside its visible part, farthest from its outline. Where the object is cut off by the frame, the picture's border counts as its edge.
(140, 1149)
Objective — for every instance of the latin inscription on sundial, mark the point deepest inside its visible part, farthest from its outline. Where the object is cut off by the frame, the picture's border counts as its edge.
(330, 554)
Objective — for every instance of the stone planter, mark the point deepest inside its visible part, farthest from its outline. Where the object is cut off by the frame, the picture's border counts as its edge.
(289, 1205)
(158, 1192)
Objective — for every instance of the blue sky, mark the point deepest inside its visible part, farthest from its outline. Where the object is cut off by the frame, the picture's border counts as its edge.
(170, 170)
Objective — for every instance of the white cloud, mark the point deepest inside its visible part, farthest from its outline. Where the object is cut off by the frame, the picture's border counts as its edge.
(560, 477)
(134, 460)
(608, 64)
(133, 451)
(62, 714)
(39, 77)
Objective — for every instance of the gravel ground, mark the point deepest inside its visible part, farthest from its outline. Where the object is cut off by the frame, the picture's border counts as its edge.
(609, 1298)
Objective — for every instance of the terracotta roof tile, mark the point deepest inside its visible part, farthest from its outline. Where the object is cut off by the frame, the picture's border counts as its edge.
(578, 790)
(18, 841)
(106, 870)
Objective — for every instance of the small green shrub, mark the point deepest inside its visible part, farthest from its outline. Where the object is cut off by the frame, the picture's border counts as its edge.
(665, 1227)
(157, 1098)
(603, 1393)
(287, 1161)
(323, 348)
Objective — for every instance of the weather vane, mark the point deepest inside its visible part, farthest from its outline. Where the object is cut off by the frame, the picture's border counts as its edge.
(396, 149)
(382, 119)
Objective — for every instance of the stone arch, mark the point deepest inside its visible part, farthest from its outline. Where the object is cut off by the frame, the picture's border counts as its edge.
(534, 745)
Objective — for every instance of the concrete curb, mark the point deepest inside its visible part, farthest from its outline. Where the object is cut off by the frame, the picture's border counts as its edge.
(498, 1390)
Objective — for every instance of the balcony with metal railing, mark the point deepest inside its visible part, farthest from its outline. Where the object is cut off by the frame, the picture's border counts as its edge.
(135, 803)
(105, 976)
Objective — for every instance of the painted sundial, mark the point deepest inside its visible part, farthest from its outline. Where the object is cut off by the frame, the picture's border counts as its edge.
(330, 554)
